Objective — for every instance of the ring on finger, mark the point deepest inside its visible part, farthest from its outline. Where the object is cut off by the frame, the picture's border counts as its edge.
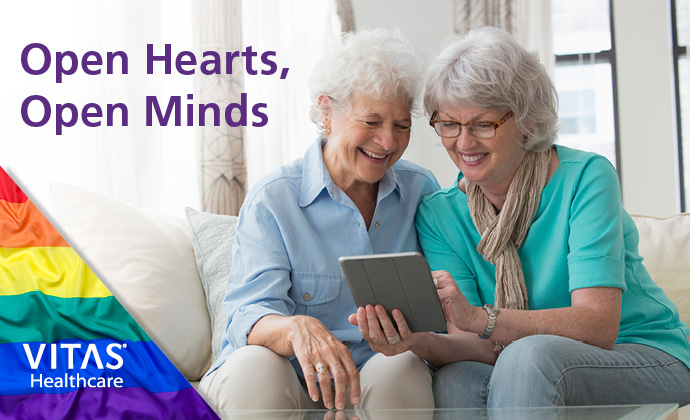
(435, 281)
(393, 340)
(320, 369)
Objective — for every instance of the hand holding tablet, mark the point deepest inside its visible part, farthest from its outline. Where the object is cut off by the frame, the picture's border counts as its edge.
(396, 281)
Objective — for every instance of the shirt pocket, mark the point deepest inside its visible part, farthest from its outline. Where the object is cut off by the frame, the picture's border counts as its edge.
(315, 295)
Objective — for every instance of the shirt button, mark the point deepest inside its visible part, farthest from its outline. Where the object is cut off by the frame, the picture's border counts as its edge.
(307, 297)
(377, 224)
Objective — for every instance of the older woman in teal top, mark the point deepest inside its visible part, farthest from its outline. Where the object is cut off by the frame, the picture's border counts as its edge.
(545, 294)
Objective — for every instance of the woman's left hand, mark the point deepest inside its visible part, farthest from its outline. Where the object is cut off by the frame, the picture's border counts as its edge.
(459, 312)
(380, 332)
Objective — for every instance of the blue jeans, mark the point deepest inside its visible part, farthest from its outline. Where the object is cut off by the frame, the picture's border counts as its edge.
(552, 371)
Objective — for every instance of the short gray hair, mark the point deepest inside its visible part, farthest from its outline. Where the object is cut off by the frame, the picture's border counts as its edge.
(488, 69)
(378, 63)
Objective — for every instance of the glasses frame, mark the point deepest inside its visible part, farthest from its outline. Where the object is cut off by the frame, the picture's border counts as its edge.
(496, 124)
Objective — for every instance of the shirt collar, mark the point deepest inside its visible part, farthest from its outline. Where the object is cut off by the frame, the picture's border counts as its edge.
(388, 184)
(315, 177)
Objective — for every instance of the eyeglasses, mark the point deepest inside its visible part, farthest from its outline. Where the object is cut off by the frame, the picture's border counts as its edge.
(479, 129)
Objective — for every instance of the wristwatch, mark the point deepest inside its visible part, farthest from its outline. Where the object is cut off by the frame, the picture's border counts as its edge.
(492, 312)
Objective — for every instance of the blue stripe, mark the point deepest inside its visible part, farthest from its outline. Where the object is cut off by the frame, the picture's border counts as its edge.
(142, 365)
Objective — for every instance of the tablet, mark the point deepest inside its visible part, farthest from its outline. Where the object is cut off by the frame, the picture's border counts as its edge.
(401, 281)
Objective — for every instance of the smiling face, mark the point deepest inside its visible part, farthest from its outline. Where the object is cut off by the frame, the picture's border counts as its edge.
(490, 163)
(366, 139)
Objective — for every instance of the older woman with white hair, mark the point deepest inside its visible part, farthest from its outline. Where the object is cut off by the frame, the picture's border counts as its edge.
(545, 295)
(287, 299)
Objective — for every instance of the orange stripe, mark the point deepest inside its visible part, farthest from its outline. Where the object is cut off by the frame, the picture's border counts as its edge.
(22, 226)
(9, 191)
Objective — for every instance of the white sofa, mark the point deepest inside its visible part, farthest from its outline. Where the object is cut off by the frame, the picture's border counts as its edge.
(152, 264)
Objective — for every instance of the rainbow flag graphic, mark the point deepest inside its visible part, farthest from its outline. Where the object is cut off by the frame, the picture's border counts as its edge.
(68, 349)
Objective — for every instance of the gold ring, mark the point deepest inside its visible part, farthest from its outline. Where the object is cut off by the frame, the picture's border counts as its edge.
(320, 369)
(394, 340)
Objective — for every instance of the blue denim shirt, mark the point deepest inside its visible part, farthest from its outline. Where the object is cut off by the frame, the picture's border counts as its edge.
(293, 226)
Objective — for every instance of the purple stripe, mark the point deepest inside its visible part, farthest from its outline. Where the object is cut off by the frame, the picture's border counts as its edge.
(107, 403)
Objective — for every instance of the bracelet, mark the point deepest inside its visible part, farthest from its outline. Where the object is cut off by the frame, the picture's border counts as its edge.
(493, 313)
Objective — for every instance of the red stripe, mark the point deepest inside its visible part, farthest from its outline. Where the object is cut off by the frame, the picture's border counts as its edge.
(9, 191)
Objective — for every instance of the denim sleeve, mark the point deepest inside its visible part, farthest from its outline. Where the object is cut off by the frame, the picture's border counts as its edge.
(260, 276)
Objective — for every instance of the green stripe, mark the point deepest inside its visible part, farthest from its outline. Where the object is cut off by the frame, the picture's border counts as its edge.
(33, 316)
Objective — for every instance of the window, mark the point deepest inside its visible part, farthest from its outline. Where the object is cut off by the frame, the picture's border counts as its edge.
(680, 17)
(584, 76)
(577, 112)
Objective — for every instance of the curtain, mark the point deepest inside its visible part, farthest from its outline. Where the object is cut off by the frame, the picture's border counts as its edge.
(299, 32)
(534, 32)
(346, 15)
(230, 160)
(529, 21)
(475, 13)
(221, 157)
(146, 166)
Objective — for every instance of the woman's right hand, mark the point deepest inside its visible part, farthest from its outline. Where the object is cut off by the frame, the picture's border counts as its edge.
(313, 343)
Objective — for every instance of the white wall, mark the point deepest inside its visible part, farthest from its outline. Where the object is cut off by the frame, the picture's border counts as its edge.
(646, 107)
(646, 104)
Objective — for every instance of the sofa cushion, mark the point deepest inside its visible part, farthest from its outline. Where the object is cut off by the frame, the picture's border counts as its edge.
(146, 260)
(213, 238)
(665, 247)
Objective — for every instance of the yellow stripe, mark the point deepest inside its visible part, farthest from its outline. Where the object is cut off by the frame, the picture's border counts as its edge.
(54, 271)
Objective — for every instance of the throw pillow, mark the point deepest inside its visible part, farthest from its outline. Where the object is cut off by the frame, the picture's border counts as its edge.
(213, 238)
(146, 261)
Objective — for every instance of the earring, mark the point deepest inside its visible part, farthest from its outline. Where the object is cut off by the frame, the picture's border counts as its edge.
(327, 131)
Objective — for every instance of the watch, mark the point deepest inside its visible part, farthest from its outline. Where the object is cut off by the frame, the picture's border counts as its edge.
(492, 312)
